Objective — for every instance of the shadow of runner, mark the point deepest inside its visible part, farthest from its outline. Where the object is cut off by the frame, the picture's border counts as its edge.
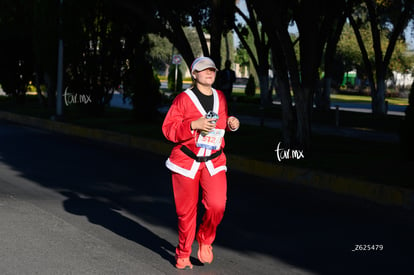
(104, 214)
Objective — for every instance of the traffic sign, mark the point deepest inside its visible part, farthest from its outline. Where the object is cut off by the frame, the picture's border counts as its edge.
(177, 59)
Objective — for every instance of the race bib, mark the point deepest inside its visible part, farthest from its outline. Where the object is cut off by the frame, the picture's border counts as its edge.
(212, 140)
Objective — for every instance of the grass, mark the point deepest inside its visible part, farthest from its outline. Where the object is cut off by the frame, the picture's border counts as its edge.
(378, 162)
(239, 92)
(366, 99)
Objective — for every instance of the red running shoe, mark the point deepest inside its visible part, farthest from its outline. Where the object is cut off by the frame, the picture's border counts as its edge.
(183, 263)
(205, 253)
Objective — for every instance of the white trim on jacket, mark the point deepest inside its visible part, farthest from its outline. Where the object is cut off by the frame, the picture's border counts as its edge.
(185, 172)
(202, 152)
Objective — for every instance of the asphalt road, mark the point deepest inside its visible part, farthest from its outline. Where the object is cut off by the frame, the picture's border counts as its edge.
(74, 206)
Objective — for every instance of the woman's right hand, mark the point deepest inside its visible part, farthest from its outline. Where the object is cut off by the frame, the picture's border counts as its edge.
(203, 124)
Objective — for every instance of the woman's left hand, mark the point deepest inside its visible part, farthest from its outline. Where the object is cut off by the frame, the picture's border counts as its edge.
(233, 123)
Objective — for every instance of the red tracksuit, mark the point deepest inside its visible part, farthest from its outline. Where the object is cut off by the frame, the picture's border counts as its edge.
(188, 174)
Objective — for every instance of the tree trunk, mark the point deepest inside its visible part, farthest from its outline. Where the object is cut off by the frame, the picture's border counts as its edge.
(226, 40)
(302, 103)
(323, 101)
(288, 120)
(301, 95)
(264, 88)
(378, 98)
(324, 98)
(200, 32)
(50, 90)
(216, 31)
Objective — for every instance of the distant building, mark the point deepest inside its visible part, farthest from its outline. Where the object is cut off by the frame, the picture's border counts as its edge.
(401, 80)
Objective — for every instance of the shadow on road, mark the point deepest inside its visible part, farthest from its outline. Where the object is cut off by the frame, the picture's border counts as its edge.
(107, 215)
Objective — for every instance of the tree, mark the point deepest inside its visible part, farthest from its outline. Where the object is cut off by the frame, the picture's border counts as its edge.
(161, 49)
(167, 18)
(314, 20)
(242, 58)
(142, 86)
(322, 97)
(258, 50)
(45, 45)
(16, 61)
(222, 18)
(94, 60)
(350, 54)
(348, 50)
(407, 129)
(383, 16)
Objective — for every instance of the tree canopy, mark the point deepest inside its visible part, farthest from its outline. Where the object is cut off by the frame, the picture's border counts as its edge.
(108, 42)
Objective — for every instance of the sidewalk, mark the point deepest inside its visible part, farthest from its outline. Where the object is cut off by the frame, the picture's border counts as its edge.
(378, 193)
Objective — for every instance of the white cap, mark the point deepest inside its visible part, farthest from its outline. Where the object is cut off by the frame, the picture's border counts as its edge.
(202, 63)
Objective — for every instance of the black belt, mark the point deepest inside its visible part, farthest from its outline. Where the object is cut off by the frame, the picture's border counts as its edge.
(190, 153)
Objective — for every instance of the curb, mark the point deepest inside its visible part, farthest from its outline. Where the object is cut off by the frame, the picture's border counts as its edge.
(378, 193)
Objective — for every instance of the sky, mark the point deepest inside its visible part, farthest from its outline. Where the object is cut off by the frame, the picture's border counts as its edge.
(409, 35)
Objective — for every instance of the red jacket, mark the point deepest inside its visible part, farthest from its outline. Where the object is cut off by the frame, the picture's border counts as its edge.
(176, 127)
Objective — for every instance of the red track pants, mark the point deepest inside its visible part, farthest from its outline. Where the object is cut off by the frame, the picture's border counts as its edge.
(186, 194)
